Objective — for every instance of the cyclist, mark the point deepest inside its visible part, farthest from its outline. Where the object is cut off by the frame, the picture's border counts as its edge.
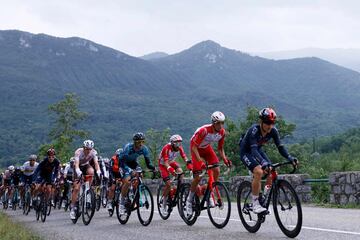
(28, 169)
(254, 158)
(7, 181)
(128, 159)
(46, 173)
(202, 152)
(167, 163)
(83, 157)
(115, 176)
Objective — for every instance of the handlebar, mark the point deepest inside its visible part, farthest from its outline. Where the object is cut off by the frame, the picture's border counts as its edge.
(277, 165)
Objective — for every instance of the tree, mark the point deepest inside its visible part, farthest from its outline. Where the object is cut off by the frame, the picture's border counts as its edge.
(64, 132)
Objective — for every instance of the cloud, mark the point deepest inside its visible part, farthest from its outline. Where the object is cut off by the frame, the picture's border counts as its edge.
(139, 27)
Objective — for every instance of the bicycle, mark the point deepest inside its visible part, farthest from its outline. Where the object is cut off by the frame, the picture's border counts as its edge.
(216, 197)
(15, 197)
(27, 199)
(140, 199)
(85, 204)
(104, 193)
(5, 197)
(42, 204)
(115, 202)
(285, 202)
(172, 198)
(67, 196)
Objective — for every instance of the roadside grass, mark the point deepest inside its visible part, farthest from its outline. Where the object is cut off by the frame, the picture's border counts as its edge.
(10, 230)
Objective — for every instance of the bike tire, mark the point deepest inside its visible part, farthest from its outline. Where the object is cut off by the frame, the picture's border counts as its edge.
(88, 208)
(285, 198)
(145, 202)
(222, 206)
(250, 220)
(183, 194)
(159, 201)
(103, 194)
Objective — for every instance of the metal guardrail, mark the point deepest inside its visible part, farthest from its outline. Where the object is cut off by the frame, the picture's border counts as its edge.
(314, 180)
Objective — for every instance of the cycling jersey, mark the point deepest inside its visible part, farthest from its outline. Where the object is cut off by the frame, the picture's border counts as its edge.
(206, 135)
(129, 156)
(202, 139)
(250, 146)
(84, 160)
(167, 154)
(27, 169)
(46, 171)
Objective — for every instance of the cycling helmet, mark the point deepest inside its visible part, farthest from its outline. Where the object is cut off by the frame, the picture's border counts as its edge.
(139, 136)
(89, 144)
(11, 168)
(32, 157)
(175, 138)
(51, 152)
(118, 151)
(267, 115)
(217, 117)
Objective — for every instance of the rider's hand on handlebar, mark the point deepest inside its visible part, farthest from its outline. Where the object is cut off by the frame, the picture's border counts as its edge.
(171, 170)
(189, 165)
(295, 162)
(228, 162)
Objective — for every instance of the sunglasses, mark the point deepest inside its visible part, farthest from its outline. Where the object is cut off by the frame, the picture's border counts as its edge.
(177, 144)
(140, 141)
(88, 149)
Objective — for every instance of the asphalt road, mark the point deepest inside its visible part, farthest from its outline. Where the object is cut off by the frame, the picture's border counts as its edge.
(318, 223)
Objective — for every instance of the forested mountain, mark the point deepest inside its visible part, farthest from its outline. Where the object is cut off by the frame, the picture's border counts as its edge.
(124, 94)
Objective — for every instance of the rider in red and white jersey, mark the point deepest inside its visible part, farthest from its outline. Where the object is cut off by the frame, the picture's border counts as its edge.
(202, 152)
(167, 163)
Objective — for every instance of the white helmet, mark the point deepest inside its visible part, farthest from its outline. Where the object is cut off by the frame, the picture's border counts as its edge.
(89, 144)
(175, 138)
(11, 168)
(118, 151)
(217, 117)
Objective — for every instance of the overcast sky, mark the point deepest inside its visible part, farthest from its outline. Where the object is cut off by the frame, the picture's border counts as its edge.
(141, 27)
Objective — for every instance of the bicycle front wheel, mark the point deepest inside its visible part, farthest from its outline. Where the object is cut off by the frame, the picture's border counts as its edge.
(189, 219)
(249, 219)
(160, 203)
(88, 206)
(145, 206)
(287, 209)
(103, 195)
(219, 205)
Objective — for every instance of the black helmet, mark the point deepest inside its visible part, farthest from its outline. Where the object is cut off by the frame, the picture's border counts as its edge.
(139, 136)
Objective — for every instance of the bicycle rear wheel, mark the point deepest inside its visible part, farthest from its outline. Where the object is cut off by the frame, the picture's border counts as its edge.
(287, 209)
(219, 212)
(88, 206)
(145, 201)
(27, 201)
(249, 219)
(160, 203)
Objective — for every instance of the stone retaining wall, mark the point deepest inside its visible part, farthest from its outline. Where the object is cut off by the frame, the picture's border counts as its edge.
(345, 187)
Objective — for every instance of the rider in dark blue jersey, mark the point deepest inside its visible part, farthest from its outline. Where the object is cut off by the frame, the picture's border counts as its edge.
(254, 158)
(128, 159)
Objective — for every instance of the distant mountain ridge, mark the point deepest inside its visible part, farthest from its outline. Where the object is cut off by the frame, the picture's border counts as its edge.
(154, 55)
(349, 58)
(125, 94)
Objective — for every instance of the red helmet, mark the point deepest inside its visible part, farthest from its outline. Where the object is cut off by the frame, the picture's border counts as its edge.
(267, 115)
(51, 152)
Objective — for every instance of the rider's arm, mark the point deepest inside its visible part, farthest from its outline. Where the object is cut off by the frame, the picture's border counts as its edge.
(38, 169)
(147, 159)
(183, 155)
(281, 148)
